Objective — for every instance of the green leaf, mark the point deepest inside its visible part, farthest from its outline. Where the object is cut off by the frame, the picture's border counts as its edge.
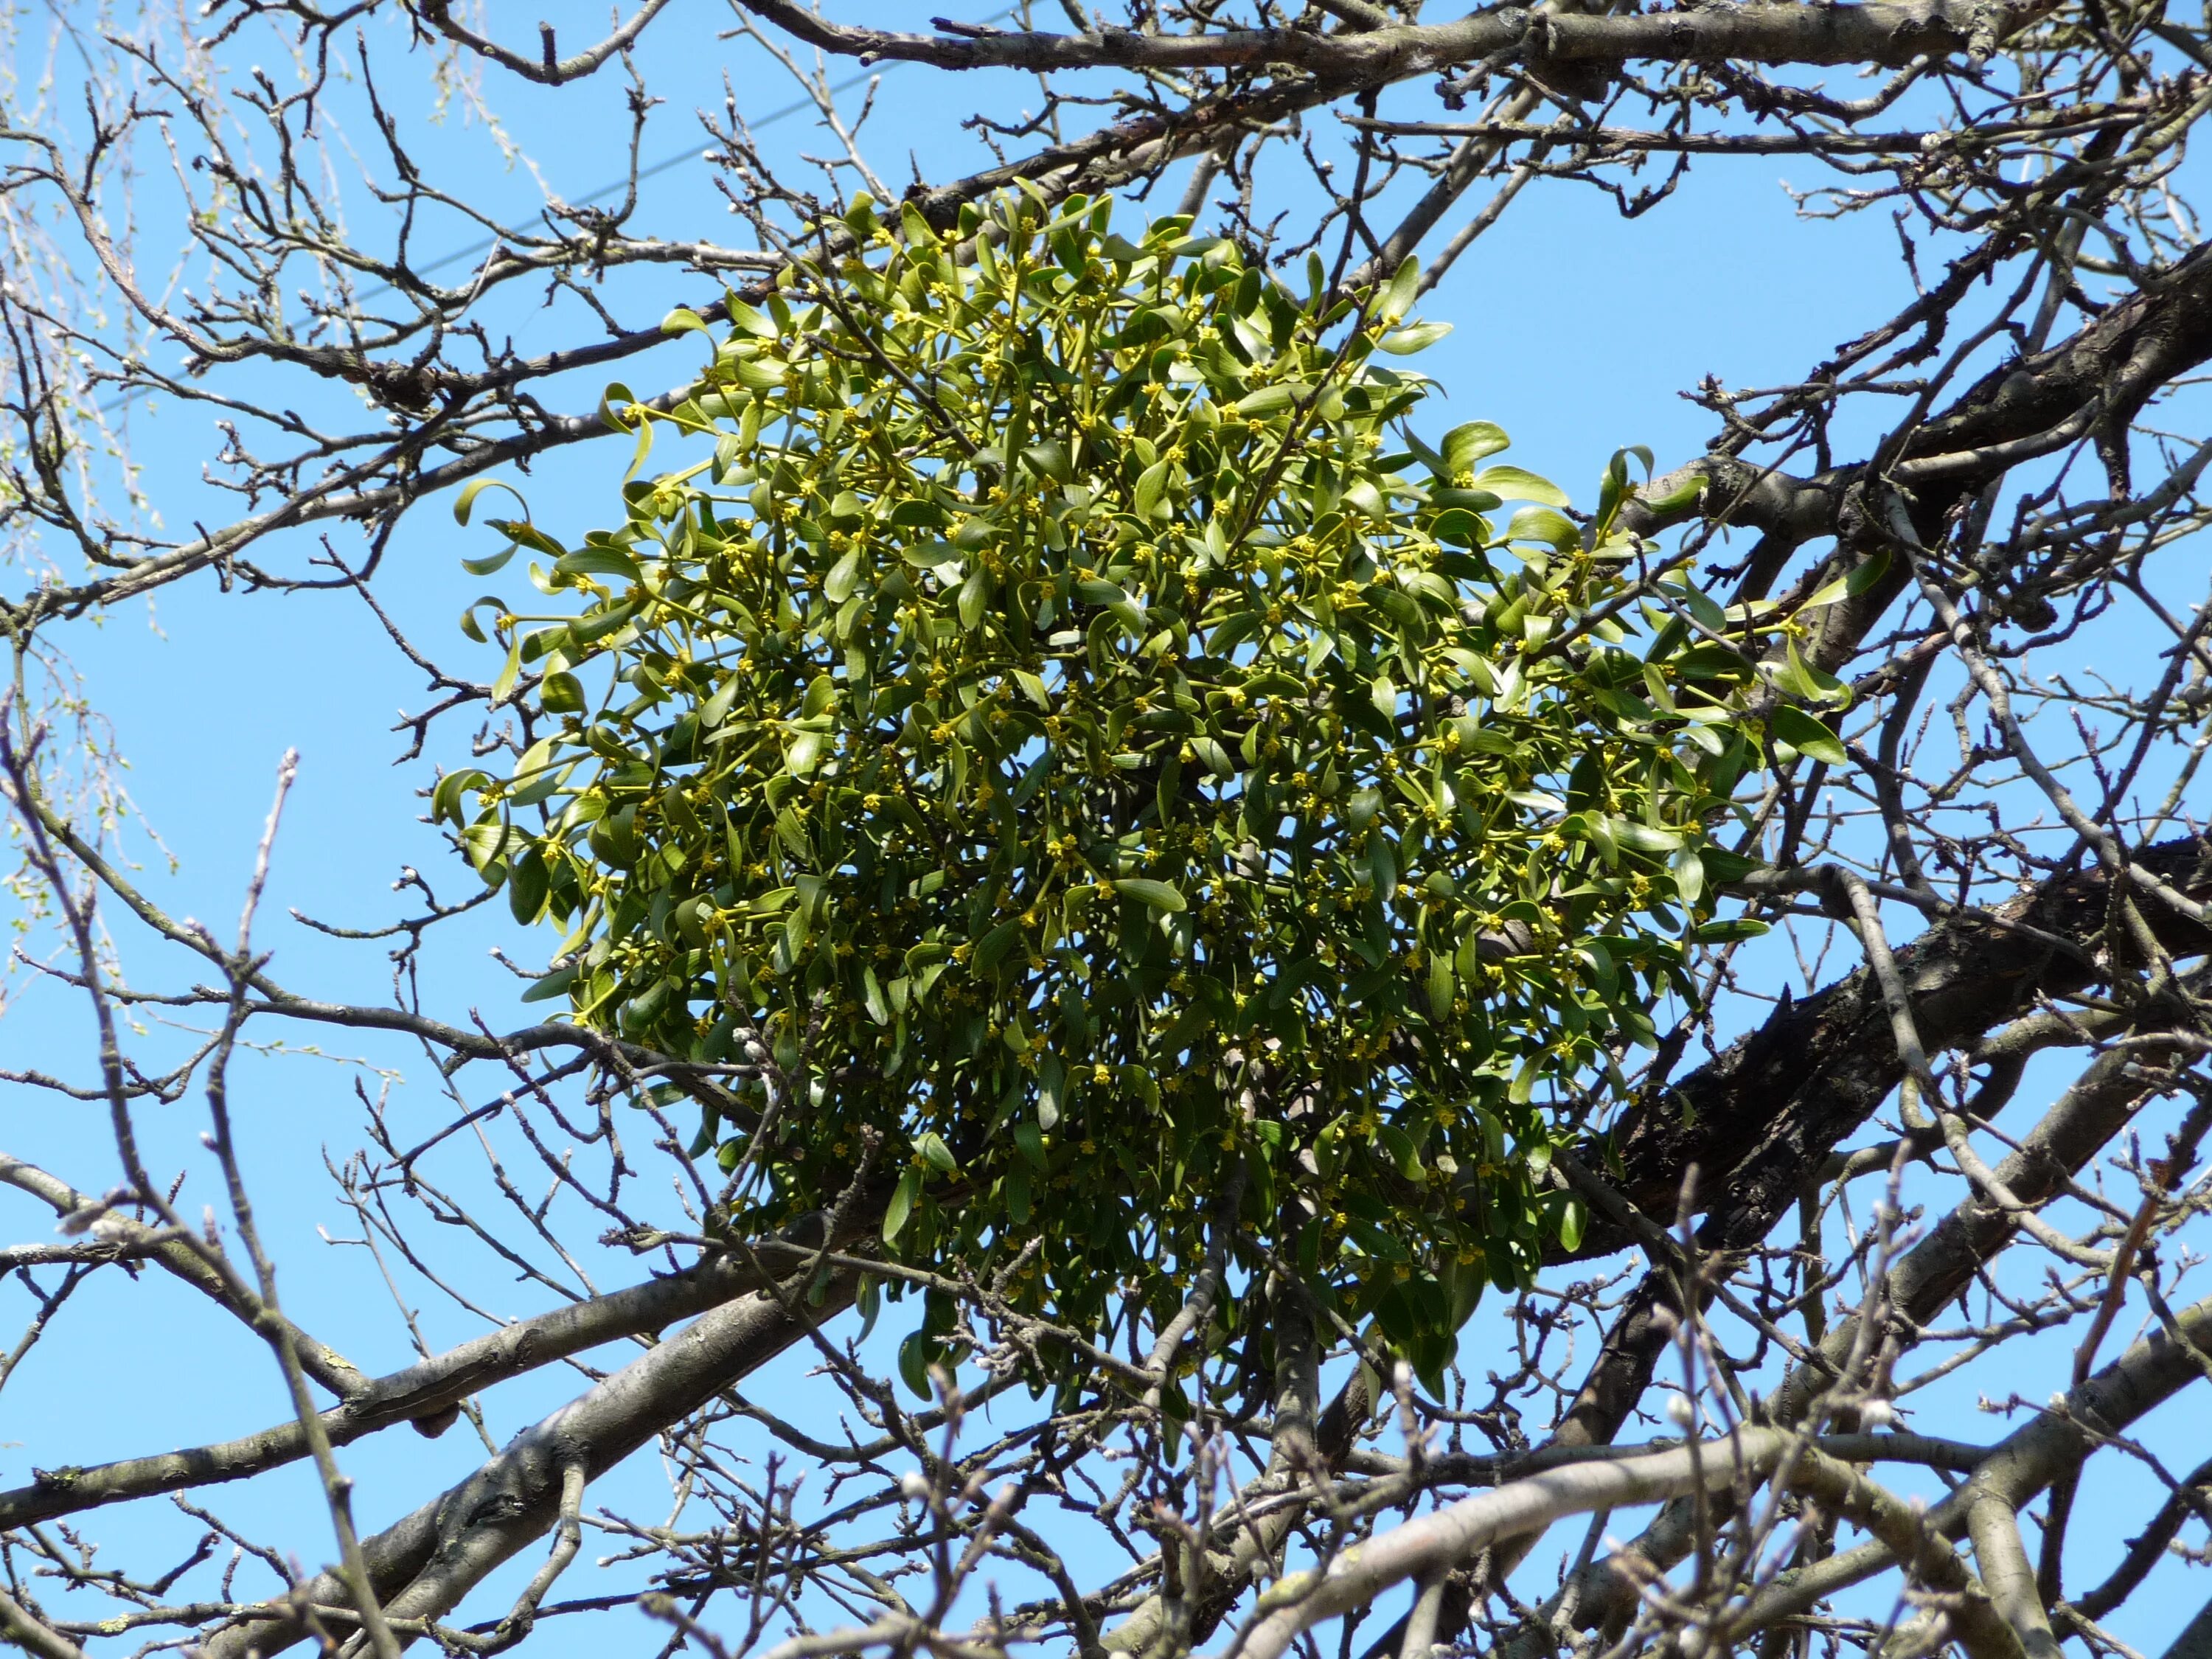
(931, 1146)
(1867, 573)
(1457, 527)
(1369, 499)
(1513, 483)
(1641, 836)
(1729, 932)
(747, 320)
(1800, 679)
(1427, 456)
(527, 886)
(1052, 1084)
(1156, 895)
(1382, 865)
(716, 708)
(556, 983)
(1213, 756)
(844, 576)
(615, 403)
(1828, 592)
(1138, 1082)
(1441, 984)
(599, 561)
(1408, 341)
(1049, 460)
(601, 621)
(505, 683)
(1399, 1146)
(1686, 492)
(1398, 299)
(1151, 489)
(760, 374)
(1522, 1089)
(561, 693)
(1705, 609)
(466, 500)
(1466, 445)
(916, 1355)
(1541, 523)
(529, 535)
(1094, 590)
(1807, 735)
(1574, 1217)
(991, 950)
(1689, 871)
(901, 1204)
(1474, 501)
(1258, 405)
(488, 563)
(484, 843)
(975, 593)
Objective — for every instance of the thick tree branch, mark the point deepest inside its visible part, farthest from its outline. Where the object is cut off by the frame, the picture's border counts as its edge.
(1760, 33)
(419, 1394)
(422, 1566)
(1759, 1121)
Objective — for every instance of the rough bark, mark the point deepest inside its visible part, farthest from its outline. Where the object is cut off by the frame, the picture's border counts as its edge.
(1395, 51)
(1759, 1121)
(423, 1565)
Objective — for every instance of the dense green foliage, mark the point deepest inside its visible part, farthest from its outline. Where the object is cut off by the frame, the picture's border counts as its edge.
(1071, 733)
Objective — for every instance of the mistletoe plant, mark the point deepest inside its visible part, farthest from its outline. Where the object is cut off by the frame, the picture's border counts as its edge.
(1070, 736)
